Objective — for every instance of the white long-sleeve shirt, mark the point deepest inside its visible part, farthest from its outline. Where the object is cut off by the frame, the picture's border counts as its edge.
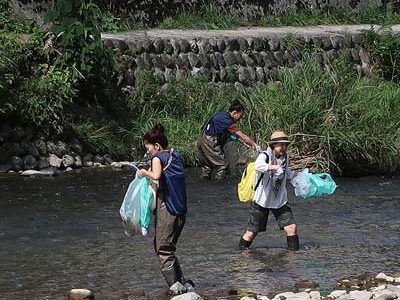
(269, 194)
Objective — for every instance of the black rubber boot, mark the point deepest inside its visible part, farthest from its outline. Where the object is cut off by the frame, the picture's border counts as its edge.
(293, 242)
(243, 244)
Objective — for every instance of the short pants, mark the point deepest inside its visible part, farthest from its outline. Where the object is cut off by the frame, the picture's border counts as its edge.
(259, 217)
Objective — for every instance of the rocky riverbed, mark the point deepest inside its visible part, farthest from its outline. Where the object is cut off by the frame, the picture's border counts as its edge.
(380, 287)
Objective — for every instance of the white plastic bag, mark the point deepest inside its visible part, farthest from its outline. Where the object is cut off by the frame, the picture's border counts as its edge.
(130, 208)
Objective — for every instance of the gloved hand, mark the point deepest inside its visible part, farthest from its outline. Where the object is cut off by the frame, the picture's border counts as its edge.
(257, 147)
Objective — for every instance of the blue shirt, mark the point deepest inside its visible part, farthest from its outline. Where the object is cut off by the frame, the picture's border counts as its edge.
(219, 123)
(172, 182)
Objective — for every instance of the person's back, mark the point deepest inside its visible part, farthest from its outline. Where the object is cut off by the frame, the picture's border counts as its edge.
(172, 181)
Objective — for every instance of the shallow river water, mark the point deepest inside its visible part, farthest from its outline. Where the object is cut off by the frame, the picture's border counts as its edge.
(64, 232)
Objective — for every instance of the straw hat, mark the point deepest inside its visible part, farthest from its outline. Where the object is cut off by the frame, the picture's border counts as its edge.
(279, 137)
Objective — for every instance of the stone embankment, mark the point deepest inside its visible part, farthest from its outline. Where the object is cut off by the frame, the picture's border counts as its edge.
(244, 56)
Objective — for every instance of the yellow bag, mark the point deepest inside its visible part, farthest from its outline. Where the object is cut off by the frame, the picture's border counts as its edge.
(246, 184)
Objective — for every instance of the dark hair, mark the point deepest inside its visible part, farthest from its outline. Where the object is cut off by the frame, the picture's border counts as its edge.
(236, 106)
(156, 136)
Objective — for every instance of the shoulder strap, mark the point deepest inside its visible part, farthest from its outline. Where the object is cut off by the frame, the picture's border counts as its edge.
(262, 174)
(169, 159)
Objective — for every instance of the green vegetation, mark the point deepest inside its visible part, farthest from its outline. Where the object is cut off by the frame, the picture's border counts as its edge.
(65, 77)
(211, 16)
(329, 115)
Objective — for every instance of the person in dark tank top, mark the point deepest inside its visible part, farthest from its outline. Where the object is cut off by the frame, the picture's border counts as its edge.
(167, 167)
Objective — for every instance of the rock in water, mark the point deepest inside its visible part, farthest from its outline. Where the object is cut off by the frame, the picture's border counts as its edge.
(68, 161)
(80, 294)
(54, 161)
(188, 296)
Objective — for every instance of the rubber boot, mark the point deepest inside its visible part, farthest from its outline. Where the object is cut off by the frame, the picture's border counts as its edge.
(243, 244)
(220, 173)
(173, 274)
(206, 172)
(293, 242)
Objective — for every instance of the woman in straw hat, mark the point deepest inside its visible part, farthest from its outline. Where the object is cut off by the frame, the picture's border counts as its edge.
(270, 193)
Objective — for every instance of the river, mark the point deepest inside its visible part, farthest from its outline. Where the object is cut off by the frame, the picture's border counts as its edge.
(64, 232)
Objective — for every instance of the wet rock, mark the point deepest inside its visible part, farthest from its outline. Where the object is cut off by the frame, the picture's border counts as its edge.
(306, 284)
(58, 148)
(76, 147)
(88, 164)
(17, 163)
(30, 162)
(361, 295)
(80, 294)
(41, 146)
(107, 159)
(285, 295)
(394, 290)
(43, 163)
(390, 296)
(98, 159)
(337, 294)
(32, 150)
(54, 161)
(248, 298)
(69, 169)
(78, 162)
(45, 172)
(188, 296)
(68, 161)
(345, 297)
(384, 277)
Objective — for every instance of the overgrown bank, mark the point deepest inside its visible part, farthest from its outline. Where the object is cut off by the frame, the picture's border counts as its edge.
(65, 81)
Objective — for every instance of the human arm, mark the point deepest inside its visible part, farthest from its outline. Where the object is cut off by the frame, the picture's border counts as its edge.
(154, 172)
(262, 165)
(245, 138)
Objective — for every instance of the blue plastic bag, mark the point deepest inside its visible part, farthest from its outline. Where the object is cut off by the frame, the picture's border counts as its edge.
(308, 185)
(138, 204)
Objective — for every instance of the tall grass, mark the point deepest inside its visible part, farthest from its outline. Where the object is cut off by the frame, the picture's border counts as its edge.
(213, 16)
(208, 16)
(346, 120)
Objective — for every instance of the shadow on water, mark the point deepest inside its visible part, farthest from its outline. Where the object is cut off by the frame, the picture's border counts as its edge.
(64, 232)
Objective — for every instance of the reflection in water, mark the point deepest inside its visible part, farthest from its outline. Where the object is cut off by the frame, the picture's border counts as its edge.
(64, 232)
